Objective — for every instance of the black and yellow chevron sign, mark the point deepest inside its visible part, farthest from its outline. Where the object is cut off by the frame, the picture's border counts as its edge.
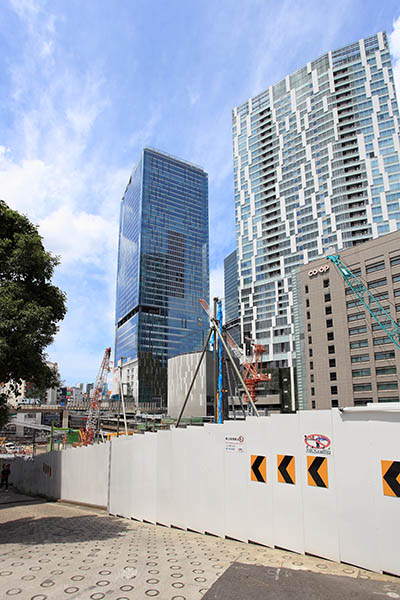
(391, 477)
(317, 471)
(258, 468)
(286, 469)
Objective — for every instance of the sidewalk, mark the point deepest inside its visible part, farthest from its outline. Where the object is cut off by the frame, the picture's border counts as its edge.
(51, 550)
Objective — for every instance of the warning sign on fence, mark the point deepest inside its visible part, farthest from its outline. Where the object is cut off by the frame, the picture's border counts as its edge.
(391, 477)
(258, 468)
(317, 471)
(286, 469)
(317, 443)
(234, 443)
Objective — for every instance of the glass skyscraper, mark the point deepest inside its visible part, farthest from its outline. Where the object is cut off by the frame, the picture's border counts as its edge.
(163, 270)
(231, 294)
(316, 169)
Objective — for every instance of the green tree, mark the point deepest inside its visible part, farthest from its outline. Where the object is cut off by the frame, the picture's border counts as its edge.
(30, 305)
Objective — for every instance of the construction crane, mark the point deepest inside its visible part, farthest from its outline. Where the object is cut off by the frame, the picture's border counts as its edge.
(87, 434)
(362, 292)
(252, 372)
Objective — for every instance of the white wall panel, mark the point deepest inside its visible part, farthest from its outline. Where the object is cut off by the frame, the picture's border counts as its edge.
(200, 478)
(236, 474)
(319, 504)
(287, 498)
(164, 478)
(358, 536)
(260, 516)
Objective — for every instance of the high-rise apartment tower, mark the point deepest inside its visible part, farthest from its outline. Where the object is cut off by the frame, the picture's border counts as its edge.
(316, 167)
(163, 270)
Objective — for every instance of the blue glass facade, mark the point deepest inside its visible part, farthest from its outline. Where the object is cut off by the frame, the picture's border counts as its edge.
(231, 293)
(163, 269)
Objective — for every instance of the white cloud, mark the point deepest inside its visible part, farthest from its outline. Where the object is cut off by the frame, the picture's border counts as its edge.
(217, 282)
(394, 43)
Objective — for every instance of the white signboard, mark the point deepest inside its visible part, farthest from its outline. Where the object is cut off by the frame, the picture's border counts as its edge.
(234, 443)
(317, 443)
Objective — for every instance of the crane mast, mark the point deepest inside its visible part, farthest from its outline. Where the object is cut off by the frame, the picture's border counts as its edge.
(88, 433)
(373, 306)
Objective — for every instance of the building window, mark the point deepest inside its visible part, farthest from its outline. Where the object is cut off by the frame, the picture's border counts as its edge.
(360, 358)
(356, 316)
(310, 352)
(334, 390)
(326, 283)
(308, 326)
(311, 365)
(310, 339)
(331, 349)
(395, 261)
(386, 370)
(332, 376)
(329, 322)
(359, 344)
(327, 297)
(382, 340)
(377, 283)
(388, 385)
(306, 289)
(353, 303)
(362, 401)
(396, 278)
(334, 402)
(307, 303)
(330, 336)
(375, 267)
(328, 310)
(332, 362)
(362, 387)
(308, 315)
(384, 355)
(361, 372)
(357, 330)
(312, 391)
(388, 399)
(313, 404)
(312, 377)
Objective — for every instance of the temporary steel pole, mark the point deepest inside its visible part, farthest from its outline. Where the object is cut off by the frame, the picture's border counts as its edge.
(215, 364)
(194, 377)
(253, 406)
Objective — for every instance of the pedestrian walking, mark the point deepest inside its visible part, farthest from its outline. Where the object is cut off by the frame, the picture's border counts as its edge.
(5, 473)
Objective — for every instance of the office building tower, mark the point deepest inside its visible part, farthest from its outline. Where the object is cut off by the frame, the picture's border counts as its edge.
(346, 356)
(316, 168)
(163, 270)
(231, 295)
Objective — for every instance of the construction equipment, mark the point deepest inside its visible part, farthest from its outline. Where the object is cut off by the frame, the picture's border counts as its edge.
(87, 434)
(389, 326)
(252, 374)
(214, 330)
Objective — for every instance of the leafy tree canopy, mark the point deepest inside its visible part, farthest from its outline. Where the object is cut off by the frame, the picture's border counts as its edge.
(30, 305)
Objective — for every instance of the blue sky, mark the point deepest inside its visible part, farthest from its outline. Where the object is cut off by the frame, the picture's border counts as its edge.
(85, 84)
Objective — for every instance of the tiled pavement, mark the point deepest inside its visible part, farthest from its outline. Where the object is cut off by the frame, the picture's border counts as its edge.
(58, 551)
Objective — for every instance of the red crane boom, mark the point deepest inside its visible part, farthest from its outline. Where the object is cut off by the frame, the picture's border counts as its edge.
(88, 434)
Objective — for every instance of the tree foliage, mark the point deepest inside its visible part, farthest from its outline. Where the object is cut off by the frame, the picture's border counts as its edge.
(30, 305)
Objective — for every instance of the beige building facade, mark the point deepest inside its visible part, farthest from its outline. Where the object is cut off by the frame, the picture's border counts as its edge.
(345, 358)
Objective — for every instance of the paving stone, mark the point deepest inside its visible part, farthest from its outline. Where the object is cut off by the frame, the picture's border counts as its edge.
(53, 550)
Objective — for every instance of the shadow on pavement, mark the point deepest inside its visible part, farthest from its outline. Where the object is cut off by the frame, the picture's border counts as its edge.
(50, 530)
(257, 582)
(11, 497)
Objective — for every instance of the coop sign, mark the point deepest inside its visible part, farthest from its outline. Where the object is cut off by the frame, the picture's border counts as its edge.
(322, 269)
